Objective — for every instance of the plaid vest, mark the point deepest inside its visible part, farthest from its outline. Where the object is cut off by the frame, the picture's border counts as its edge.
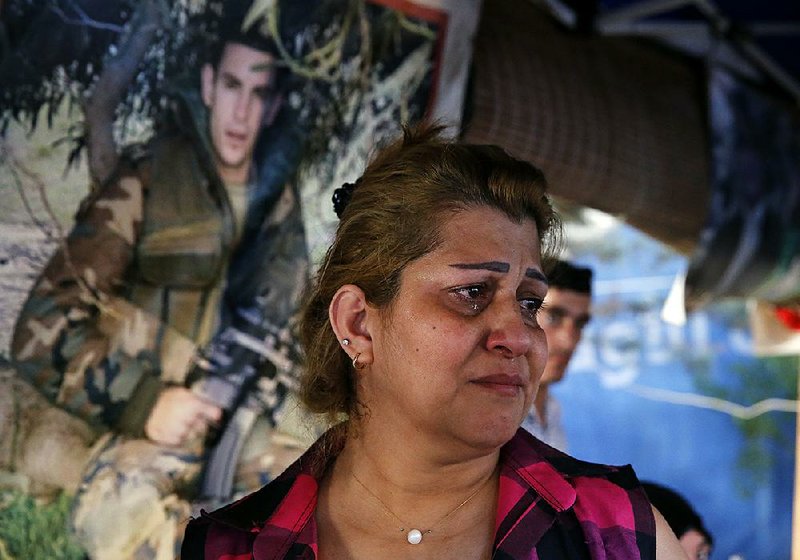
(550, 506)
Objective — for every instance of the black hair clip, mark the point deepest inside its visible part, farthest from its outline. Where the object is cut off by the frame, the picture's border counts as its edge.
(341, 197)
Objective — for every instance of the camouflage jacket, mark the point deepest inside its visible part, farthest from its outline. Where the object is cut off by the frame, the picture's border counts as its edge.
(148, 274)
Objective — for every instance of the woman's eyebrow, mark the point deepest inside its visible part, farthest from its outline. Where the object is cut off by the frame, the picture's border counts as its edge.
(499, 266)
(536, 274)
(493, 266)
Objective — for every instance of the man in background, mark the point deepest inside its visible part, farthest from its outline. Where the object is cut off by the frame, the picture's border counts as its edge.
(682, 518)
(564, 314)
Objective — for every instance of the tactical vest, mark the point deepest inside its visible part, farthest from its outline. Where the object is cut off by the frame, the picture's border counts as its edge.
(187, 235)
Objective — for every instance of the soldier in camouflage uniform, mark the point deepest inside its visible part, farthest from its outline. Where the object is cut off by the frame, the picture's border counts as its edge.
(162, 258)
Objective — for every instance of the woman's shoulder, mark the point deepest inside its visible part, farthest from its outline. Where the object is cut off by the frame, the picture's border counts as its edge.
(565, 481)
(528, 450)
(588, 502)
(208, 538)
(230, 529)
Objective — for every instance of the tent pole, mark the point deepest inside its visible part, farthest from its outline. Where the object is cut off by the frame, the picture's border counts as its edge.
(796, 502)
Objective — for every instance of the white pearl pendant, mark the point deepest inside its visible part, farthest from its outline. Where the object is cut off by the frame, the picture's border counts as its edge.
(415, 536)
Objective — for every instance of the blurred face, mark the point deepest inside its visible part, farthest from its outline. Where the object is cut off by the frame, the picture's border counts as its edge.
(695, 545)
(564, 315)
(238, 94)
(459, 352)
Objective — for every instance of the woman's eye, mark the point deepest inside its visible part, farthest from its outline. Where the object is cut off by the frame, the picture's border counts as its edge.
(473, 292)
(530, 307)
(474, 297)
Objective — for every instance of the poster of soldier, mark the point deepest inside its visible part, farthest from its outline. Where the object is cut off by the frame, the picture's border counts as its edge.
(167, 169)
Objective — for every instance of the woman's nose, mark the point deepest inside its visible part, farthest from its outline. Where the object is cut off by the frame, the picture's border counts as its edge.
(508, 332)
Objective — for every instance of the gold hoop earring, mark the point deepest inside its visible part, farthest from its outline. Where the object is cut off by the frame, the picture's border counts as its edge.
(356, 365)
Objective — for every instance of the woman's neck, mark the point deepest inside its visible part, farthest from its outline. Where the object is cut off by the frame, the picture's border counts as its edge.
(410, 468)
(408, 472)
(377, 492)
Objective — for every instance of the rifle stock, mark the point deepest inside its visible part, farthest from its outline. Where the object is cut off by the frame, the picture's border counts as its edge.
(245, 371)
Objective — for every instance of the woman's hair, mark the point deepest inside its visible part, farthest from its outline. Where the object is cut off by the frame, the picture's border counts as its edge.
(394, 216)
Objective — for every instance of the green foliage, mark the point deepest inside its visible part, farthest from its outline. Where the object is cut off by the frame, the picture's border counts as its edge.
(758, 379)
(55, 53)
(31, 530)
(777, 377)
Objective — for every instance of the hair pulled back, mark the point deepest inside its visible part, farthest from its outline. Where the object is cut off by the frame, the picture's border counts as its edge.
(394, 216)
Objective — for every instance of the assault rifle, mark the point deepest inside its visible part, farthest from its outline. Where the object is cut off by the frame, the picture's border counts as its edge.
(246, 370)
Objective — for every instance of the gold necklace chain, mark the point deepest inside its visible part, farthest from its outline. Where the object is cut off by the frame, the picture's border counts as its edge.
(414, 536)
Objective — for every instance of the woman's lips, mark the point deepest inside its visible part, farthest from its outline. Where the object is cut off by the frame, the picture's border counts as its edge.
(502, 384)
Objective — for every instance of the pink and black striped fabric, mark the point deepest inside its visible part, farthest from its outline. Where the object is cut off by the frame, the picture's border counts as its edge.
(550, 506)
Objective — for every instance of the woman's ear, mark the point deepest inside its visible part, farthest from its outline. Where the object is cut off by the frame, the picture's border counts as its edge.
(348, 316)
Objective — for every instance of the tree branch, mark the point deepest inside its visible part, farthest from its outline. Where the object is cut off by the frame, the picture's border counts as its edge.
(118, 72)
(84, 19)
(51, 230)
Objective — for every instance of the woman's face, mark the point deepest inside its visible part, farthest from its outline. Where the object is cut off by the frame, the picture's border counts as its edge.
(458, 353)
